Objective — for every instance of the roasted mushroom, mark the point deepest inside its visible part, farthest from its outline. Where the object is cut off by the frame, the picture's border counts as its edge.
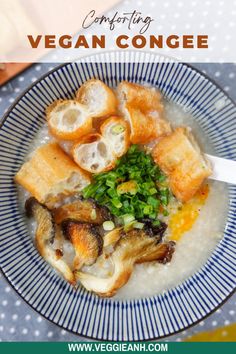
(44, 237)
(162, 253)
(134, 247)
(113, 236)
(153, 230)
(82, 210)
(86, 240)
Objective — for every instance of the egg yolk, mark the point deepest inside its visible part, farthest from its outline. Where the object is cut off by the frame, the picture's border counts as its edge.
(183, 220)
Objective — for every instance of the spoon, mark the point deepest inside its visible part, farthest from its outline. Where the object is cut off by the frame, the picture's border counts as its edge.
(224, 170)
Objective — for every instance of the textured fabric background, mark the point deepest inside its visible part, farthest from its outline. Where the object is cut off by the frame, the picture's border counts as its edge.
(18, 321)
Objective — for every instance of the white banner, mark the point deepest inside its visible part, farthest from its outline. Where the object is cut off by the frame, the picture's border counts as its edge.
(65, 30)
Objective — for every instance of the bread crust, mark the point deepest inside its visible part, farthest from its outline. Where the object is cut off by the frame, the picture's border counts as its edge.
(55, 110)
(48, 169)
(110, 100)
(179, 156)
(143, 108)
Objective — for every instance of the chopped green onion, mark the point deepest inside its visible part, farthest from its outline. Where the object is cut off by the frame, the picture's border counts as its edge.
(116, 203)
(136, 187)
(147, 209)
(138, 225)
(153, 215)
(128, 218)
(153, 201)
(108, 225)
(129, 226)
(110, 183)
(117, 129)
(93, 214)
(112, 193)
(161, 178)
(152, 191)
(165, 212)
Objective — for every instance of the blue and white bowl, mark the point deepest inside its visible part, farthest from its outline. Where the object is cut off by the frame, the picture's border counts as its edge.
(37, 283)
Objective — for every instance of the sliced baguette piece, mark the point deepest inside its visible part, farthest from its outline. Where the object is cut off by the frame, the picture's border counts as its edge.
(94, 154)
(143, 109)
(99, 99)
(116, 131)
(50, 175)
(180, 157)
(68, 119)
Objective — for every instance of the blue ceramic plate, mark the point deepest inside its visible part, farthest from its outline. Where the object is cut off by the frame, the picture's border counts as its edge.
(40, 286)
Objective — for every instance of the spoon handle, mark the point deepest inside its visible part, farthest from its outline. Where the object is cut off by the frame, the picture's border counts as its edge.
(223, 170)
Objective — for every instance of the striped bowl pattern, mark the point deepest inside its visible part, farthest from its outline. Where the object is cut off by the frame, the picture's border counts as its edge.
(40, 286)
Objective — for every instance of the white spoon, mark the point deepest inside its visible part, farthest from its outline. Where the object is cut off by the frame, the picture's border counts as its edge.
(223, 170)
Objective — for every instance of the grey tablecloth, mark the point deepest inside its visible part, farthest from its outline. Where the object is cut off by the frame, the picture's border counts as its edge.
(18, 321)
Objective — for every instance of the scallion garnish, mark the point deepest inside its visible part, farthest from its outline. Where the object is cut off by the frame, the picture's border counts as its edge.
(133, 190)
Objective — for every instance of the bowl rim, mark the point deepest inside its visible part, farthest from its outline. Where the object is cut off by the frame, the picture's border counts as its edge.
(16, 101)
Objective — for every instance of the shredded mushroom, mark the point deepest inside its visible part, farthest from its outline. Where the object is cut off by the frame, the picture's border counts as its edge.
(83, 211)
(44, 237)
(86, 240)
(136, 246)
